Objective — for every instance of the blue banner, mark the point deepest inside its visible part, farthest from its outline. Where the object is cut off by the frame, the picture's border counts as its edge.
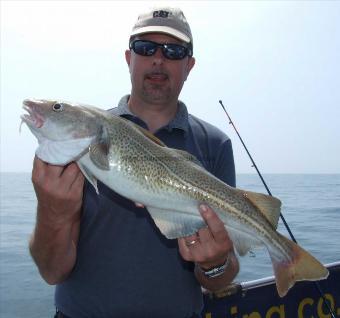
(260, 300)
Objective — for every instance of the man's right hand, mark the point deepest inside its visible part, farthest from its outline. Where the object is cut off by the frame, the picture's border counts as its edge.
(53, 244)
(59, 191)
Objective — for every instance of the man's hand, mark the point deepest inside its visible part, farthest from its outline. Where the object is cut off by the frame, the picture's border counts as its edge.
(59, 191)
(211, 245)
(208, 248)
(53, 244)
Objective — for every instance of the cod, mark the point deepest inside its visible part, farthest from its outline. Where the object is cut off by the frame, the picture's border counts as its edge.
(170, 183)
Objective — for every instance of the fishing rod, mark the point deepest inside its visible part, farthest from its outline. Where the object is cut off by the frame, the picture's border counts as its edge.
(269, 192)
(257, 170)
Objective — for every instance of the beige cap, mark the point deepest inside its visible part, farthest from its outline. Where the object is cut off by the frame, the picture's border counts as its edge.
(164, 20)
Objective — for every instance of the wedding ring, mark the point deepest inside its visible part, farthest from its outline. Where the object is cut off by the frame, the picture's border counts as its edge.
(190, 243)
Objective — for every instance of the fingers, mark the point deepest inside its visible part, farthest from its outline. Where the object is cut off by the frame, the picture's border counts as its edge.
(38, 169)
(205, 236)
(184, 249)
(78, 183)
(42, 168)
(70, 173)
(210, 245)
(190, 247)
(139, 205)
(216, 229)
(192, 239)
(59, 190)
(42, 172)
(73, 174)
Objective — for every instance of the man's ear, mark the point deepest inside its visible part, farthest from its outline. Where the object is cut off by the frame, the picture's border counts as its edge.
(190, 65)
(128, 57)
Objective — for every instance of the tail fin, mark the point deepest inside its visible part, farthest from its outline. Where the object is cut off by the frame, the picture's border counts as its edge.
(302, 266)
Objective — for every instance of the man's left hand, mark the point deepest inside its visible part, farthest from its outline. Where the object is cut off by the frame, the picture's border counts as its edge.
(210, 246)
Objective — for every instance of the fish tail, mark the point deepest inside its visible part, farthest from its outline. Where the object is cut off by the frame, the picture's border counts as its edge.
(301, 266)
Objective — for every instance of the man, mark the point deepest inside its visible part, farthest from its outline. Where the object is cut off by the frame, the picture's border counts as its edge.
(103, 251)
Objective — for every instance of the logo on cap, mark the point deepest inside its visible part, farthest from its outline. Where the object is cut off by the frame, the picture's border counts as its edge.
(160, 14)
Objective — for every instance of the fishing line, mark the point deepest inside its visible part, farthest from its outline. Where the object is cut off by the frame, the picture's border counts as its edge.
(269, 192)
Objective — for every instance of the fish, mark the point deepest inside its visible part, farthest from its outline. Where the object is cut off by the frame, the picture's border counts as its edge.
(169, 183)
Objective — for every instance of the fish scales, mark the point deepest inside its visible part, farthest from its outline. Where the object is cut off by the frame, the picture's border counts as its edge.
(198, 186)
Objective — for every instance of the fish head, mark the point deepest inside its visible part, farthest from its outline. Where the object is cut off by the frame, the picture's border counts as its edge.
(56, 120)
(64, 130)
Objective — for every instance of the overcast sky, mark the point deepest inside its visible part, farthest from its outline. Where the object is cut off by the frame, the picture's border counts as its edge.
(275, 65)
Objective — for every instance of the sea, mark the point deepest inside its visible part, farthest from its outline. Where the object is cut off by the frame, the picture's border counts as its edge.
(311, 207)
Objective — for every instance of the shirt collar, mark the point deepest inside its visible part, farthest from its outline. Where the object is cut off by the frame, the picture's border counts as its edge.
(180, 121)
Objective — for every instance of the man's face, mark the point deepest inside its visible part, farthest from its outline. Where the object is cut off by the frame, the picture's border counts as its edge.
(156, 79)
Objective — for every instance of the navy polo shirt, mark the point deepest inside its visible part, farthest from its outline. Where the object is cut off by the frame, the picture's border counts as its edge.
(125, 267)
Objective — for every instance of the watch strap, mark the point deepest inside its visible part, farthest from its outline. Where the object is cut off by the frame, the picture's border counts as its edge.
(216, 271)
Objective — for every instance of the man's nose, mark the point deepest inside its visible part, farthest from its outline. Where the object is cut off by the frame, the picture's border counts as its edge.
(158, 57)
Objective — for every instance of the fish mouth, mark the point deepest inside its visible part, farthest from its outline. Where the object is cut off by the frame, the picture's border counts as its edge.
(33, 119)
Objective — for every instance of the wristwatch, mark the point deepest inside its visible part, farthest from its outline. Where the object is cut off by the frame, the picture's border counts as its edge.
(216, 271)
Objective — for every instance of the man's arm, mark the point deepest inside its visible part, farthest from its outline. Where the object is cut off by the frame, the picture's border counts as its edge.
(59, 192)
(212, 248)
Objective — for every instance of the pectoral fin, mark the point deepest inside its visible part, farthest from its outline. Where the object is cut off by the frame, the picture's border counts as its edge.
(99, 155)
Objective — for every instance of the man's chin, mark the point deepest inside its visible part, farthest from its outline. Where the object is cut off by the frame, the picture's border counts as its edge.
(156, 96)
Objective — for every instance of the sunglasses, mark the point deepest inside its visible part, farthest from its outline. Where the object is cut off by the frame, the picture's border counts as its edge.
(170, 51)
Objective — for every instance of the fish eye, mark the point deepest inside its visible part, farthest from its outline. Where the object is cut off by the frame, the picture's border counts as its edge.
(58, 107)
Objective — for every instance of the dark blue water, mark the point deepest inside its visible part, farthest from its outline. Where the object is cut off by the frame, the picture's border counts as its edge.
(311, 206)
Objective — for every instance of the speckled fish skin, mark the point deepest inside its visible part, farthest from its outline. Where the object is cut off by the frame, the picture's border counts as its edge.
(169, 183)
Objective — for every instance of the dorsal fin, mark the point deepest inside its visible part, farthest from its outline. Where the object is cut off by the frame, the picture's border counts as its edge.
(268, 205)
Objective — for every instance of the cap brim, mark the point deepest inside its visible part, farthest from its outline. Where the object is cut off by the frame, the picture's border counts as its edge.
(162, 29)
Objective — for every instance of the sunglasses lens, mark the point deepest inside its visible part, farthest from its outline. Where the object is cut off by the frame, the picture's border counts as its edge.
(170, 51)
(145, 48)
(175, 51)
